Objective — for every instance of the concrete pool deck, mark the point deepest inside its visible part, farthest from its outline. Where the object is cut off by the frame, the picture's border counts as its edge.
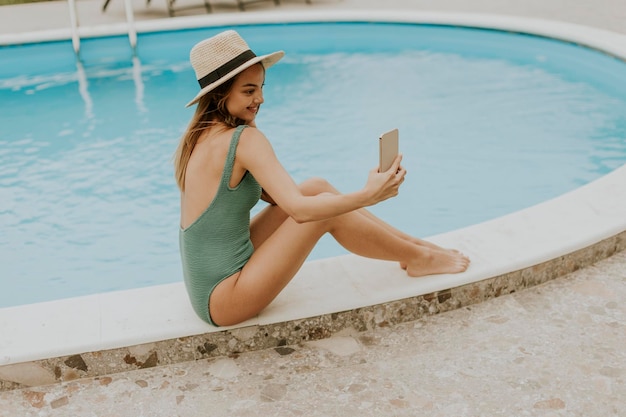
(291, 379)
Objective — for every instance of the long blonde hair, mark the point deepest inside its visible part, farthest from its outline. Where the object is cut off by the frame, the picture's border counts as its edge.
(211, 111)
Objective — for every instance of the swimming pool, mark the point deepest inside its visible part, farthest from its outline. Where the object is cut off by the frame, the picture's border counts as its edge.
(89, 203)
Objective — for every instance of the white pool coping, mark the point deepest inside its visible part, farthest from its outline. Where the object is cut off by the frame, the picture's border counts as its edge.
(557, 227)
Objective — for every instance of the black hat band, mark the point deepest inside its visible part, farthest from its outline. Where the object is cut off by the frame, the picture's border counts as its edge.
(223, 70)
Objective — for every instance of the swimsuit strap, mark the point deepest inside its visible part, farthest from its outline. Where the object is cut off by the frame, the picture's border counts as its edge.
(230, 158)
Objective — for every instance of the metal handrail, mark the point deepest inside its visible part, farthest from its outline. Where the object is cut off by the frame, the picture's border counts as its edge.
(130, 19)
(74, 26)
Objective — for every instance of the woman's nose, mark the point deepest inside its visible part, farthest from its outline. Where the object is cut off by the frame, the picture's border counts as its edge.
(259, 98)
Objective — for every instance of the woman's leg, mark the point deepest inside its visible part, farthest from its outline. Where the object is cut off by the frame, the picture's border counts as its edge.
(271, 217)
(325, 186)
(266, 222)
(275, 261)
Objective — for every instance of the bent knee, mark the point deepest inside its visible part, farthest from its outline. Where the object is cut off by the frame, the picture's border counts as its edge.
(316, 185)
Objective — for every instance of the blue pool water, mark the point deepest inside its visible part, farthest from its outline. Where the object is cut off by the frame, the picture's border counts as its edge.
(490, 123)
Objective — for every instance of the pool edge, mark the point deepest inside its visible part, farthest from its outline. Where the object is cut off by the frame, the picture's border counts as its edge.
(236, 340)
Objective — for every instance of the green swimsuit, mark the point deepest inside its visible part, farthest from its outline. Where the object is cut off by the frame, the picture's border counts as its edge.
(217, 244)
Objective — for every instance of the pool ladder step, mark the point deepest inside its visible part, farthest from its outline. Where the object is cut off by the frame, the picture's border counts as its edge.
(130, 19)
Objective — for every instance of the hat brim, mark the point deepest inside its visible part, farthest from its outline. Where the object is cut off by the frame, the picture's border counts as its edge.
(267, 61)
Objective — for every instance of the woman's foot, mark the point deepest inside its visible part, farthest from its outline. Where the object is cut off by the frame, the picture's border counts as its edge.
(403, 265)
(434, 261)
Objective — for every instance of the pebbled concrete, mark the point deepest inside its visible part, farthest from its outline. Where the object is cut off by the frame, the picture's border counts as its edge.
(556, 349)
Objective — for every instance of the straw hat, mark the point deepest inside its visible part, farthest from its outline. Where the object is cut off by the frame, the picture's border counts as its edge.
(218, 59)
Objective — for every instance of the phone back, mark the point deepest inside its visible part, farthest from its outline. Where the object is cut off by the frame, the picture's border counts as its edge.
(389, 147)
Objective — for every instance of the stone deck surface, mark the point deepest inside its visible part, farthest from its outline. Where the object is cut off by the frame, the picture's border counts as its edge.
(552, 350)
(556, 349)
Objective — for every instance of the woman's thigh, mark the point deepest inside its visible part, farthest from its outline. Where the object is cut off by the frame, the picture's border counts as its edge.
(272, 265)
(271, 217)
(265, 223)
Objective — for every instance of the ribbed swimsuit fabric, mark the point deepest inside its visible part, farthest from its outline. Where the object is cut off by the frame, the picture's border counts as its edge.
(217, 244)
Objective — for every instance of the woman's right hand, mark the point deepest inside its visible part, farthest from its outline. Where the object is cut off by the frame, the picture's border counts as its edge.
(383, 185)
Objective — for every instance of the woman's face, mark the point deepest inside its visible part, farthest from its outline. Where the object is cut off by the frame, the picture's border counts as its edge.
(246, 94)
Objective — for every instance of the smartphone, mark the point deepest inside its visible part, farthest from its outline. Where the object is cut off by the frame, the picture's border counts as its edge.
(388, 149)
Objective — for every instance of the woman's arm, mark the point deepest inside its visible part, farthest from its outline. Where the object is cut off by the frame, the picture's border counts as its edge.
(255, 154)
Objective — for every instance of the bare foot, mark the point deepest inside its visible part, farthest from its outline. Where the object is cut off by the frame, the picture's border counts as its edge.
(403, 265)
(437, 262)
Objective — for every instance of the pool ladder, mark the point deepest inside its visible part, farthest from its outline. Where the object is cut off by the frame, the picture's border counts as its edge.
(130, 19)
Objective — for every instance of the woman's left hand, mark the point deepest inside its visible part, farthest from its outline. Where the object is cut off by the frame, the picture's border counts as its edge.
(384, 185)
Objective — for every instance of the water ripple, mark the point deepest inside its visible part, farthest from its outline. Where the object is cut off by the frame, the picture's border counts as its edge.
(88, 201)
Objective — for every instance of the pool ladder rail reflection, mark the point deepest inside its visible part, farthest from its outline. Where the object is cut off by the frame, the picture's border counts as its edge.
(130, 19)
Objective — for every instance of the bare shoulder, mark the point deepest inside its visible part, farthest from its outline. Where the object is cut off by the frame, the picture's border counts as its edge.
(253, 140)
(254, 149)
(251, 135)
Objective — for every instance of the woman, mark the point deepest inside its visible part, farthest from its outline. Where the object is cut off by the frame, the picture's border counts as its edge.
(234, 267)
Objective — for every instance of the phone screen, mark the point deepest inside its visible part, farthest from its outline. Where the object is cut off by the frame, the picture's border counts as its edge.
(388, 145)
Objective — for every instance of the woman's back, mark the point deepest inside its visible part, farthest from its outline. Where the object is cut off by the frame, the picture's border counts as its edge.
(204, 173)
